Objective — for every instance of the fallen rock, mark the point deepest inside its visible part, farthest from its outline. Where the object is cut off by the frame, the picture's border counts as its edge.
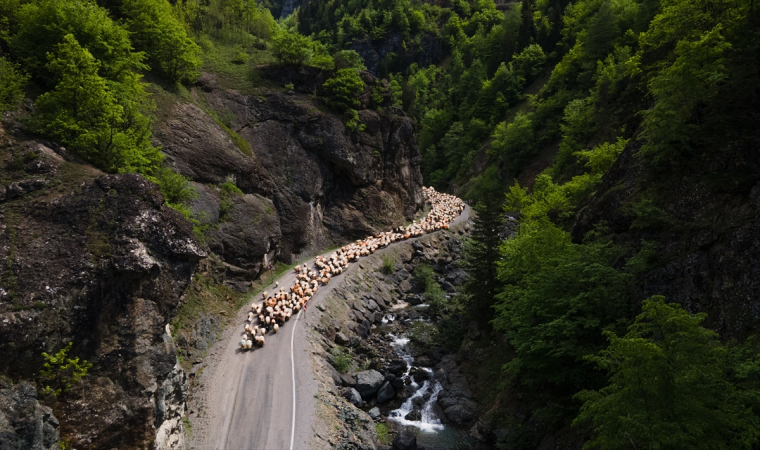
(352, 395)
(368, 382)
(385, 393)
(341, 338)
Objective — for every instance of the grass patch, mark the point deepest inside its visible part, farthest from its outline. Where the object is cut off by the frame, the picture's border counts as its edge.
(383, 434)
(388, 265)
(234, 65)
(188, 428)
(343, 359)
(39, 306)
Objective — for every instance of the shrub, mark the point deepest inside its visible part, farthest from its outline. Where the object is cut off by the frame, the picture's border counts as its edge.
(342, 359)
(388, 265)
(343, 90)
(240, 57)
(61, 372)
(12, 81)
(349, 59)
(291, 48)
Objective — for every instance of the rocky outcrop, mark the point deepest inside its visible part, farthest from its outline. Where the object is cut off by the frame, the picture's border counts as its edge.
(326, 184)
(429, 50)
(99, 261)
(25, 424)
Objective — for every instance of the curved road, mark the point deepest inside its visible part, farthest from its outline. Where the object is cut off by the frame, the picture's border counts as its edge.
(250, 395)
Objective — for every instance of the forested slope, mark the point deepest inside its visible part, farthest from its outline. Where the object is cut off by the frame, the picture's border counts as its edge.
(632, 129)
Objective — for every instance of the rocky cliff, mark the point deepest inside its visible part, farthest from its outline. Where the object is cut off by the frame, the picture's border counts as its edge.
(308, 182)
(101, 262)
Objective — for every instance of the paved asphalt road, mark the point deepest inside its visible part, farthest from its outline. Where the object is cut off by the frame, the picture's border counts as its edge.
(252, 393)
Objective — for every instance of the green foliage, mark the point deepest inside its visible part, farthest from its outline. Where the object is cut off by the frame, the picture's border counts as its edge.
(558, 298)
(341, 359)
(89, 25)
(349, 59)
(99, 118)
(342, 91)
(291, 48)
(229, 21)
(388, 266)
(481, 256)
(155, 30)
(383, 434)
(12, 82)
(174, 187)
(433, 295)
(669, 387)
(61, 372)
(515, 141)
(227, 191)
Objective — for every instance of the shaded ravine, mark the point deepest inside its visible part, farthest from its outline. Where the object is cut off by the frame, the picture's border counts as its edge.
(247, 399)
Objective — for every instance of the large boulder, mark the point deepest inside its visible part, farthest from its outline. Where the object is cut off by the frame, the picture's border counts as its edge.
(368, 382)
(385, 393)
(353, 396)
(405, 440)
(397, 367)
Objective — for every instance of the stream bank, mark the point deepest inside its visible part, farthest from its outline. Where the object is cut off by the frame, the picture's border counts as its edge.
(388, 373)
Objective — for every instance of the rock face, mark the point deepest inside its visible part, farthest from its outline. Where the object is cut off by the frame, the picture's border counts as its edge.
(324, 183)
(101, 262)
(428, 51)
(24, 423)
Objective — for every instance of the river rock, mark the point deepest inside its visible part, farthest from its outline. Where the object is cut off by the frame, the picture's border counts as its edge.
(368, 382)
(414, 415)
(405, 440)
(352, 395)
(397, 367)
(423, 361)
(385, 393)
(460, 413)
(375, 413)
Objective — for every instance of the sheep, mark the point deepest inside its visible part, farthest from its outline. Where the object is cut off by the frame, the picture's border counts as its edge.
(275, 328)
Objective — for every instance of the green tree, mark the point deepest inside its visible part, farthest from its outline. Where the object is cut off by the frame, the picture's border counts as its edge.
(668, 388)
(163, 38)
(291, 48)
(349, 59)
(342, 91)
(97, 118)
(481, 258)
(61, 372)
(42, 25)
(514, 142)
(12, 82)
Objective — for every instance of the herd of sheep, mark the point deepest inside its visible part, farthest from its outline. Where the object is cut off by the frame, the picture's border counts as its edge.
(276, 309)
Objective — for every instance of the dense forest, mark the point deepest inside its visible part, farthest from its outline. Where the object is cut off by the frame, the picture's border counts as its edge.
(526, 111)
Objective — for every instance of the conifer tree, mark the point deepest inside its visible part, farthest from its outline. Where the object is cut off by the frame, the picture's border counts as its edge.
(482, 256)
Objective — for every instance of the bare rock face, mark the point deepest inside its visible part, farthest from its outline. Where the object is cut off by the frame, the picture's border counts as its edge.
(24, 423)
(102, 265)
(326, 184)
